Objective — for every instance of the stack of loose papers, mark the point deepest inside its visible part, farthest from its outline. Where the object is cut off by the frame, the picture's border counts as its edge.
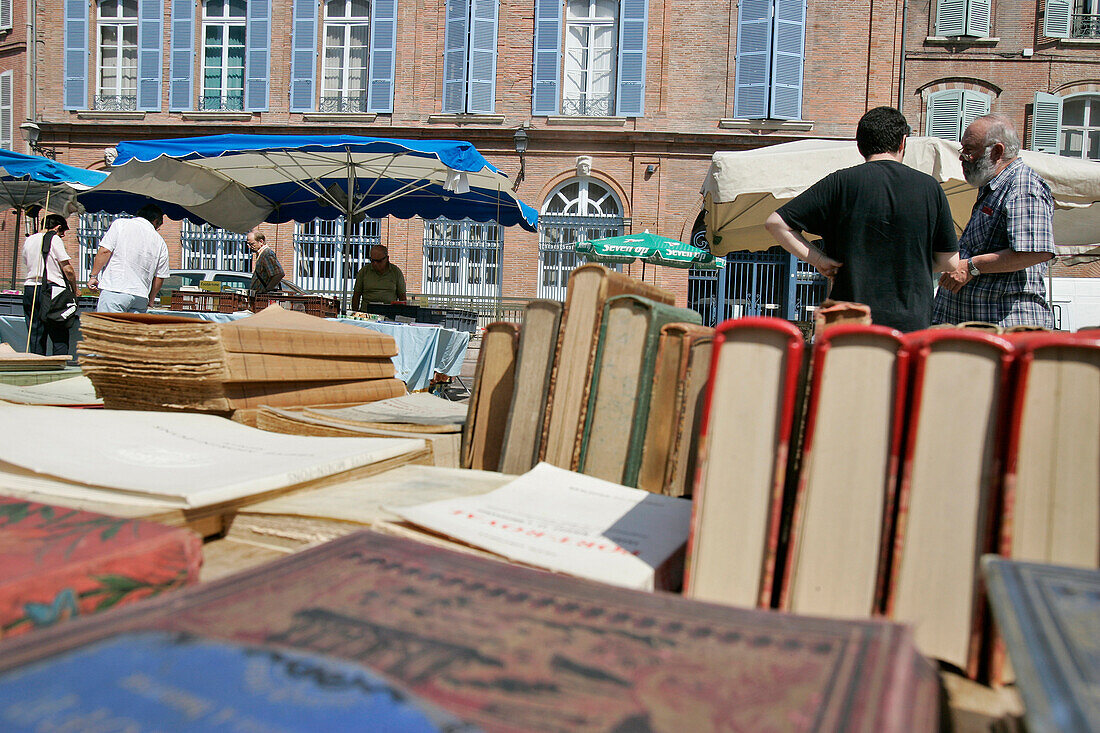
(563, 521)
(174, 467)
(277, 357)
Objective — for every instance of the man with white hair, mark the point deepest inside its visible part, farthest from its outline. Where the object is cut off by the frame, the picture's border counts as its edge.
(1008, 240)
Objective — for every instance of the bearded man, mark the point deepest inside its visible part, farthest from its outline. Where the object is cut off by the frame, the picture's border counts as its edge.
(1008, 240)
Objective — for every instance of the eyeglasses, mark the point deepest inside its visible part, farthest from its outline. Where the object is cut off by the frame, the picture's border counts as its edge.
(972, 156)
(379, 259)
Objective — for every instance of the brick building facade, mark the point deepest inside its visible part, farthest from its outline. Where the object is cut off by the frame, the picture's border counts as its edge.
(646, 90)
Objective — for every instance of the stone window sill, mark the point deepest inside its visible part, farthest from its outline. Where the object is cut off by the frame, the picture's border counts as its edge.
(767, 125)
(1079, 42)
(961, 41)
(465, 119)
(585, 120)
(217, 116)
(105, 115)
(360, 117)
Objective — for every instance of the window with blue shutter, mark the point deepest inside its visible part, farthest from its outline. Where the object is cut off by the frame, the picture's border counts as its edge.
(481, 85)
(303, 58)
(771, 45)
(76, 55)
(1046, 122)
(1057, 18)
(950, 111)
(633, 21)
(971, 18)
(150, 42)
(455, 43)
(257, 64)
(546, 75)
(383, 48)
(181, 60)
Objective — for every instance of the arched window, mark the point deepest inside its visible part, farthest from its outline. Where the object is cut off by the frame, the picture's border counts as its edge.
(951, 110)
(579, 209)
(1068, 126)
(117, 56)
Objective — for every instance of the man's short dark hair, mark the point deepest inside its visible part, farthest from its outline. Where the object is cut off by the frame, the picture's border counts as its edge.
(53, 220)
(150, 212)
(881, 130)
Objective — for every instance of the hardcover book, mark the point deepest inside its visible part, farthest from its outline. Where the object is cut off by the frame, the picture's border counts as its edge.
(159, 680)
(622, 382)
(589, 288)
(947, 495)
(490, 398)
(58, 563)
(746, 430)
(1049, 617)
(510, 648)
(675, 409)
(836, 559)
(534, 364)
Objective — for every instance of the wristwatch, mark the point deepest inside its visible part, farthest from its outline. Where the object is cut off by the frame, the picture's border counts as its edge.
(974, 271)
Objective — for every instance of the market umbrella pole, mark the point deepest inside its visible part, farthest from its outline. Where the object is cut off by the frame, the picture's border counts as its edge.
(15, 248)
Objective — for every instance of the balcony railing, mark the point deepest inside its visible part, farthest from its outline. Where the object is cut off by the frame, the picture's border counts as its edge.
(602, 106)
(219, 103)
(343, 104)
(1086, 25)
(115, 103)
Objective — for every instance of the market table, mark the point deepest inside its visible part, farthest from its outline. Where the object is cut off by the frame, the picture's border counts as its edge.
(422, 350)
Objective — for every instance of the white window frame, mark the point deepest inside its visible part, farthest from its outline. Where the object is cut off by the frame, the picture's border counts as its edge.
(226, 21)
(317, 253)
(204, 247)
(1089, 128)
(7, 109)
(341, 100)
(593, 212)
(463, 257)
(1049, 131)
(120, 98)
(583, 103)
(1071, 18)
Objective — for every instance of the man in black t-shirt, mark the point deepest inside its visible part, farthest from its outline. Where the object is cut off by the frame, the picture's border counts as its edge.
(885, 226)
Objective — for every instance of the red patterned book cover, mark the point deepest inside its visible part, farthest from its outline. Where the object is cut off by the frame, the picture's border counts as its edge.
(58, 563)
(510, 648)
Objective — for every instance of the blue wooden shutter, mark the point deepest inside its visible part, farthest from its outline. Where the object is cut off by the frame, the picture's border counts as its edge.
(181, 60)
(1046, 123)
(788, 47)
(455, 34)
(150, 43)
(545, 97)
(950, 17)
(303, 58)
(753, 71)
(1056, 18)
(257, 55)
(76, 54)
(633, 19)
(383, 49)
(482, 85)
(978, 15)
(944, 115)
(974, 105)
(5, 15)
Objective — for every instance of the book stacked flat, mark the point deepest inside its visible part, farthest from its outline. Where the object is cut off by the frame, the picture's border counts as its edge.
(277, 357)
(510, 648)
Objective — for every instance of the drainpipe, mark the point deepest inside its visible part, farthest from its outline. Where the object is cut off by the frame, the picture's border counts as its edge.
(901, 65)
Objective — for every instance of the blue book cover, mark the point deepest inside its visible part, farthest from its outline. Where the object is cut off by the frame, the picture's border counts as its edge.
(179, 682)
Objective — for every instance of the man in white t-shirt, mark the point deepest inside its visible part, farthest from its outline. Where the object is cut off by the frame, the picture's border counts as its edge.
(131, 263)
(59, 269)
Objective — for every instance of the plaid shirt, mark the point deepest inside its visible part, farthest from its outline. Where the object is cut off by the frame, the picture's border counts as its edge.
(1013, 211)
(267, 274)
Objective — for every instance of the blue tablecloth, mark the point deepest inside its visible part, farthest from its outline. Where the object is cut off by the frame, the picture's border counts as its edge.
(421, 350)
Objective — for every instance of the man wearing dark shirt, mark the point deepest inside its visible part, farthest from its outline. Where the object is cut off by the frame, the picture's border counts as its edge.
(886, 227)
(267, 273)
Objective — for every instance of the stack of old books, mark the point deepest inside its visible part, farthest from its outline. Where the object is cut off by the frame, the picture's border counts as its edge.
(277, 357)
